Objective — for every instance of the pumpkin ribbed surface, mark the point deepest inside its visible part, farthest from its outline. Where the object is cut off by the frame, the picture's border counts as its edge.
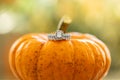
(83, 57)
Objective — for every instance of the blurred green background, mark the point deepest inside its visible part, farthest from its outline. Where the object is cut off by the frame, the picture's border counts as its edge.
(98, 17)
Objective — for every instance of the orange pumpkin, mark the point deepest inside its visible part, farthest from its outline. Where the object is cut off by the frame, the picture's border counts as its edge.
(83, 57)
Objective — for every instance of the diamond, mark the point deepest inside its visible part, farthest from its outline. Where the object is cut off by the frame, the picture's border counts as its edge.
(59, 33)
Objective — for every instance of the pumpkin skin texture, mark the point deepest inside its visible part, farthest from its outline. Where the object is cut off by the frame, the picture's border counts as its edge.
(83, 57)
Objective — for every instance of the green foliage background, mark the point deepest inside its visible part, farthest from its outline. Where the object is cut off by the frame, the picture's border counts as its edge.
(98, 17)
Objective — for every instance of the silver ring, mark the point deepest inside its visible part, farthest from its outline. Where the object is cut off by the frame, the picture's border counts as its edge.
(59, 35)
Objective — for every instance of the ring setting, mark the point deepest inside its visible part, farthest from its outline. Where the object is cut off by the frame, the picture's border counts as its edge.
(59, 35)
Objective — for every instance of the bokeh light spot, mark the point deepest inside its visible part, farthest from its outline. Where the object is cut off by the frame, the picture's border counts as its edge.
(7, 22)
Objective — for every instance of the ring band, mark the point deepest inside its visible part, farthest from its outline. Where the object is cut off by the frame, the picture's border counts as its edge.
(59, 35)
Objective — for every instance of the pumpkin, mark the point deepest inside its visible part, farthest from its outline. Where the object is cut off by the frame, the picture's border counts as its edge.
(82, 57)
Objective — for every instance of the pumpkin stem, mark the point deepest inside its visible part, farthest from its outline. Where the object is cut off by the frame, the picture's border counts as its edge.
(63, 24)
(62, 27)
